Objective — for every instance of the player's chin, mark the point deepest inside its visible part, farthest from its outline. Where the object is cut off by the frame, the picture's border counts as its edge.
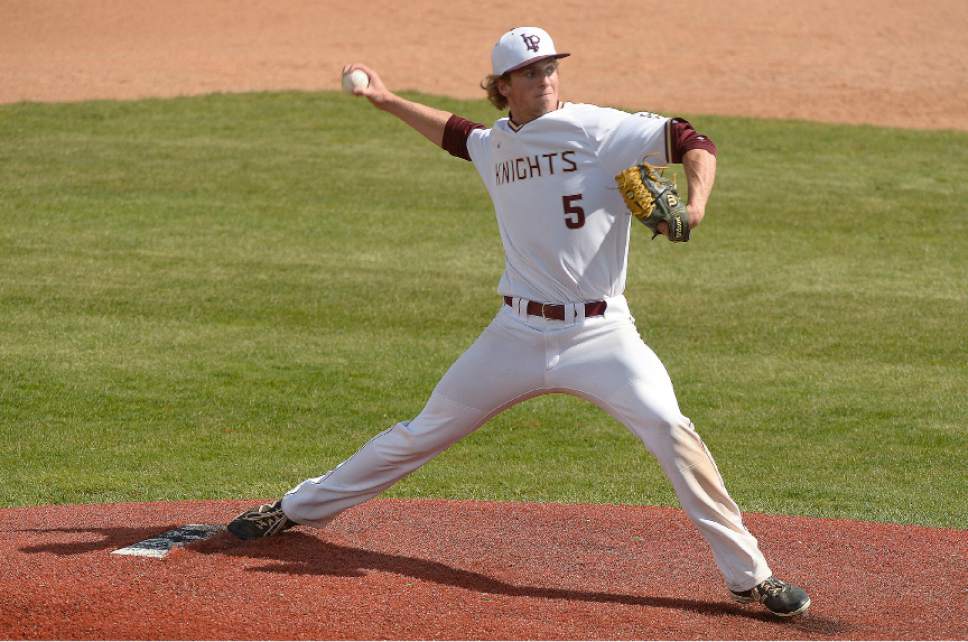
(547, 102)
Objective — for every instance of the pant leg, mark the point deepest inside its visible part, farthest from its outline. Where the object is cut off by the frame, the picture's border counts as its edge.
(501, 368)
(608, 363)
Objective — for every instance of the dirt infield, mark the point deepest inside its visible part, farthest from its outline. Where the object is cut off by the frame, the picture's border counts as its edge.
(465, 570)
(888, 62)
(475, 570)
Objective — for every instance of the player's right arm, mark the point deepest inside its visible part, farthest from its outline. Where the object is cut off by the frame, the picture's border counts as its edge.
(428, 121)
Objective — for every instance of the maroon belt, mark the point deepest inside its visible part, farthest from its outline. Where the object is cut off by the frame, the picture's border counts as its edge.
(556, 311)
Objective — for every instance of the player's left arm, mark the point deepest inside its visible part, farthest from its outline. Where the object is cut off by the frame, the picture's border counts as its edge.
(700, 167)
(697, 153)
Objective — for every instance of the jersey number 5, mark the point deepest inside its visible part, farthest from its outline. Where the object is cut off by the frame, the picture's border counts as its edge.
(574, 214)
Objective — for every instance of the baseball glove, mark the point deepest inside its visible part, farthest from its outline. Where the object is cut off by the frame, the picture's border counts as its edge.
(653, 198)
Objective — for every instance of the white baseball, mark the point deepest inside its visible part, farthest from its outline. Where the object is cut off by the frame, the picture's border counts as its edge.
(354, 79)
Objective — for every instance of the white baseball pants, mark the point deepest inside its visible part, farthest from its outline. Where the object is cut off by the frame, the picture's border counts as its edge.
(602, 359)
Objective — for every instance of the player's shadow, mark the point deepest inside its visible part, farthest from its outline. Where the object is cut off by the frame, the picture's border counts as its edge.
(300, 554)
(108, 539)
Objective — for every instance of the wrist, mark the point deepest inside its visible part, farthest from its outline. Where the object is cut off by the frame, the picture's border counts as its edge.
(696, 212)
(386, 101)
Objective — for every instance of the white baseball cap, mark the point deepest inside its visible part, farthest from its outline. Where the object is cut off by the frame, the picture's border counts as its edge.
(520, 47)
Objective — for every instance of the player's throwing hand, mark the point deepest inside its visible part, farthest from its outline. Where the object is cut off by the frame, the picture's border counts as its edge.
(375, 91)
(562, 321)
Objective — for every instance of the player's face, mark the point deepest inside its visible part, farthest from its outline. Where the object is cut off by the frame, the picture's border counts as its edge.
(533, 91)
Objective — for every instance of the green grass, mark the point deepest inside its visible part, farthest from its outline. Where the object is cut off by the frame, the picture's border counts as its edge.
(218, 297)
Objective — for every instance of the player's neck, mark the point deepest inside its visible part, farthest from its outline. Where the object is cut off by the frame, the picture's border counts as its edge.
(527, 117)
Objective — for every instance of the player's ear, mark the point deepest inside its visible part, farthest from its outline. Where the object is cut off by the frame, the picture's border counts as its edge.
(504, 85)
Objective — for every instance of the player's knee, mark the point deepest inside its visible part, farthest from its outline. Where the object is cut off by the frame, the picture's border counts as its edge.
(400, 444)
(686, 442)
(667, 434)
(410, 440)
(669, 426)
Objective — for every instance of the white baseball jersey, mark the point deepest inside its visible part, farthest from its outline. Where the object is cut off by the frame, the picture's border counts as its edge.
(564, 226)
(565, 230)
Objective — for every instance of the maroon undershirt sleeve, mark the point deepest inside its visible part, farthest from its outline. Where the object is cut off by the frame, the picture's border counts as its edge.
(682, 138)
(456, 132)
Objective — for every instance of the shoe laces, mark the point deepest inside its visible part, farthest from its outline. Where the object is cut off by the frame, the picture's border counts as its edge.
(771, 586)
(264, 513)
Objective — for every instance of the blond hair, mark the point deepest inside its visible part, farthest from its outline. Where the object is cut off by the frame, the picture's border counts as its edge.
(493, 94)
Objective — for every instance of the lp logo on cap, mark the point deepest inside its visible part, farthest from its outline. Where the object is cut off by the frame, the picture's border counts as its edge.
(531, 42)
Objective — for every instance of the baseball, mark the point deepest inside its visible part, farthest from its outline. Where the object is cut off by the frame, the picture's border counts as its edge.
(354, 79)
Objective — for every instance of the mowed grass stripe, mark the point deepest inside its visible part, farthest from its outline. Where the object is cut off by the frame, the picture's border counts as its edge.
(217, 297)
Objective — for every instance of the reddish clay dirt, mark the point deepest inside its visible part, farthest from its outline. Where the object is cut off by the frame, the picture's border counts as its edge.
(901, 63)
(465, 570)
(459, 570)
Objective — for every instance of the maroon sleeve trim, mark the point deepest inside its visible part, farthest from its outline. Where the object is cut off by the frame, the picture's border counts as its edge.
(456, 132)
(681, 137)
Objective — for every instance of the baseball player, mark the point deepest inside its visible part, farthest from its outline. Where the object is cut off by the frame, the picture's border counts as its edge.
(563, 323)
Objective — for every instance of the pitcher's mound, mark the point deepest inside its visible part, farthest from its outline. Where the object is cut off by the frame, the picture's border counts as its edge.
(464, 570)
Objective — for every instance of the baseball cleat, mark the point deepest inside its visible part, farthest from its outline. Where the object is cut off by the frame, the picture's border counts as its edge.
(779, 598)
(264, 521)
